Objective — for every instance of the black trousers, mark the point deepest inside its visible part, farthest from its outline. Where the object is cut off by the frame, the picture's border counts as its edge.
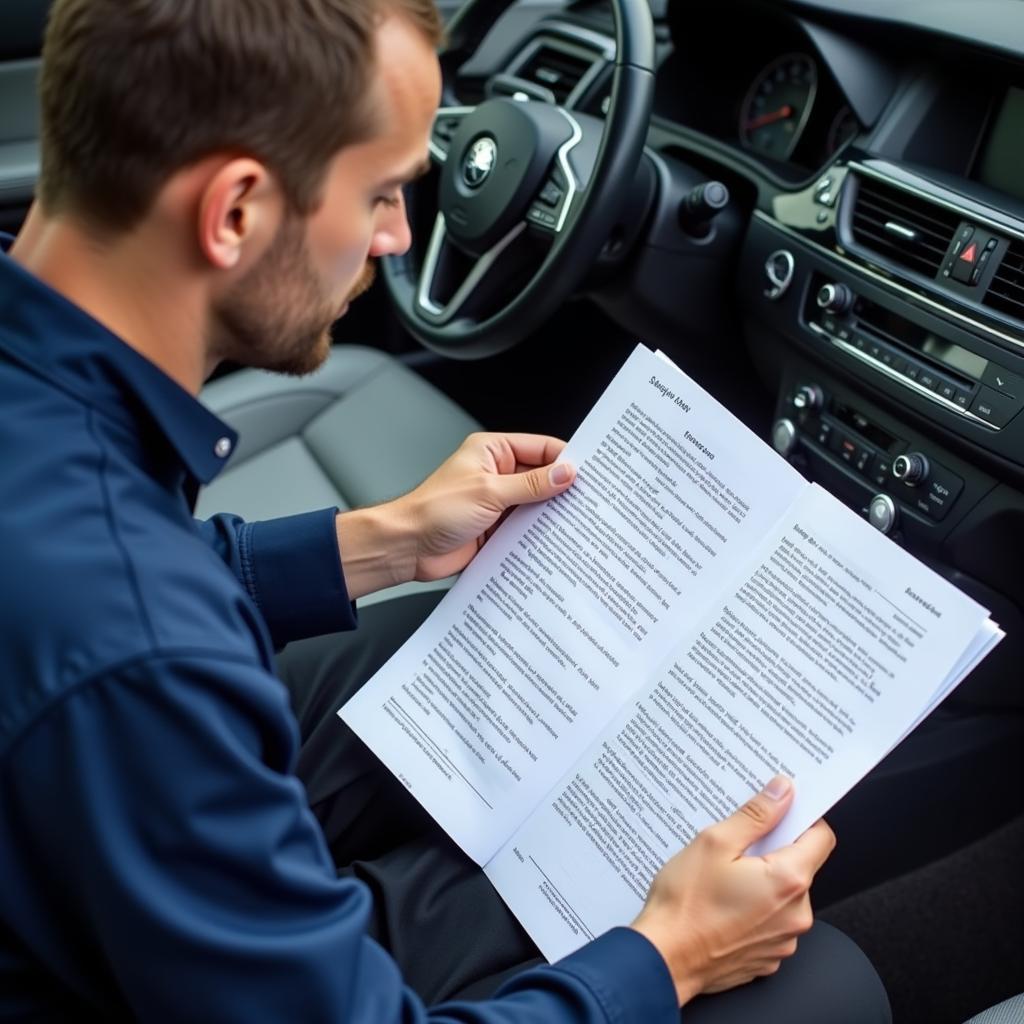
(435, 910)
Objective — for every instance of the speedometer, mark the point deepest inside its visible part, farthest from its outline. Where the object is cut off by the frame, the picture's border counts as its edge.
(777, 105)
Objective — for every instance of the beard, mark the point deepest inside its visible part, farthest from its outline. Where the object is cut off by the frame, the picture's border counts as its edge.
(278, 317)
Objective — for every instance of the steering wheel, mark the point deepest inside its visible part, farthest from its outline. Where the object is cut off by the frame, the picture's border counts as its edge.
(528, 195)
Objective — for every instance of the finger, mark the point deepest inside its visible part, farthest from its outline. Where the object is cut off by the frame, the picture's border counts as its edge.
(533, 449)
(809, 851)
(533, 485)
(757, 817)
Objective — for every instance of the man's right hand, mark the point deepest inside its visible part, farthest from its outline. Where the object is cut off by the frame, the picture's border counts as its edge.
(721, 918)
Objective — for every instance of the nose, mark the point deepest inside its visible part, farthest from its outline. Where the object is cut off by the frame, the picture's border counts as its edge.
(392, 235)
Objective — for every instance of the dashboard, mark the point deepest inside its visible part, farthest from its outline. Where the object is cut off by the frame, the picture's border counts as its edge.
(869, 263)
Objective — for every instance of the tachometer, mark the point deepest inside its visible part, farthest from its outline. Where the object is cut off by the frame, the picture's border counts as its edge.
(777, 105)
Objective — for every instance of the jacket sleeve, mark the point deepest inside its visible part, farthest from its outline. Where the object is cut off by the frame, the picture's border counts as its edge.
(290, 567)
(157, 810)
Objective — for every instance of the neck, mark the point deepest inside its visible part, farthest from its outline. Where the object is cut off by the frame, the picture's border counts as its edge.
(131, 283)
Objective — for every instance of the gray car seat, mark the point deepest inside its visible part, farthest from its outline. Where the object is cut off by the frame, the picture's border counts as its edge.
(362, 429)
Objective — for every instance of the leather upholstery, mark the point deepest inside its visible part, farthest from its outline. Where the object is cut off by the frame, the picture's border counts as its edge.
(362, 429)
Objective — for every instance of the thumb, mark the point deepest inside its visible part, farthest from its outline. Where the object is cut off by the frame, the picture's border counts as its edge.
(758, 816)
(535, 484)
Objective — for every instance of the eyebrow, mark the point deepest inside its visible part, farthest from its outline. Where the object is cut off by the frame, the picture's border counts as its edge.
(422, 168)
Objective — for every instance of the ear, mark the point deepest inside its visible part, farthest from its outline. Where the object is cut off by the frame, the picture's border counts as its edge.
(240, 209)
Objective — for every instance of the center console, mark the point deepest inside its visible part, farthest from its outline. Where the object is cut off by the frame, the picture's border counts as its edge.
(887, 306)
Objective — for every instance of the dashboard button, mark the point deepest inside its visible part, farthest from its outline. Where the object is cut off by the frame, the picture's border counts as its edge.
(1002, 380)
(913, 371)
(881, 473)
(965, 263)
(947, 390)
(994, 408)
(963, 236)
(943, 489)
(927, 379)
(962, 397)
(882, 513)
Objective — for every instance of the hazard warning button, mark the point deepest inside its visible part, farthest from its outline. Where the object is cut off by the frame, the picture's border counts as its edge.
(966, 262)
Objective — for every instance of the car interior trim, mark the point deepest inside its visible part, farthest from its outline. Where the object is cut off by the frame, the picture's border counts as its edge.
(900, 379)
(571, 184)
(439, 153)
(973, 211)
(888, 283)
(473, 278)
(553, 41)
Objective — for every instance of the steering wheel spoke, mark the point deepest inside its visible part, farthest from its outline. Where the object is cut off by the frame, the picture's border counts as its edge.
(447, 121)
(553, 202)
(452, 284)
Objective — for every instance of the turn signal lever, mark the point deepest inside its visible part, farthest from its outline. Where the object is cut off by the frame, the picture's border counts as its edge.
(701, 206)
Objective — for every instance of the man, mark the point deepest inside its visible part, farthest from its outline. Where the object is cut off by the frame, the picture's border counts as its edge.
(215, 176)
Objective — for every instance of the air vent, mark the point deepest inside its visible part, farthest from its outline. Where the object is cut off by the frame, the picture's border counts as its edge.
(1006, 292)
(557, 69)
(902, 227)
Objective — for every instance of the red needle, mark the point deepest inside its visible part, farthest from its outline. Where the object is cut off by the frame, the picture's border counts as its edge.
(770, 118)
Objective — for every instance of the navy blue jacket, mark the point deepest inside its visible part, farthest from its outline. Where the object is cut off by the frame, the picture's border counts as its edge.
(158, 859)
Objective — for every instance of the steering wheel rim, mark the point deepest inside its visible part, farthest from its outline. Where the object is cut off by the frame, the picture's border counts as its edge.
(593, 209)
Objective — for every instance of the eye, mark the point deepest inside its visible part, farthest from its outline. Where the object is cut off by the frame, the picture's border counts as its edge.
(391, 202)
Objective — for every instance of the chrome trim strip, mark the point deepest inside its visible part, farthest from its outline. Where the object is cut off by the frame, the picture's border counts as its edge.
(439, 154)
(898, 229)
(899, 378)
(831, 254)
(482, 265)
(572, 185)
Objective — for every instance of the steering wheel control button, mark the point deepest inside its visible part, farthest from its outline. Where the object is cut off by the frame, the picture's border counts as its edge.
(784, 437)
(541, 217)
(911, 469)
(550, 194)
(882, 514)
(808, 398)
(994, 408)
(834, 298)
(222, 449)
(779, 268)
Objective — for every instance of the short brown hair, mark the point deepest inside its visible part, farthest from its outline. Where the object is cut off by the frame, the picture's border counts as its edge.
(134, 90)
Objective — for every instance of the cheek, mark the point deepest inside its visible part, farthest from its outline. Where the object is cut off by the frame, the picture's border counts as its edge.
(339, 244)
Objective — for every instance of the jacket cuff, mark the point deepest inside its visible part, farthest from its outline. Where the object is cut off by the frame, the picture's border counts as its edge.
(292, 570)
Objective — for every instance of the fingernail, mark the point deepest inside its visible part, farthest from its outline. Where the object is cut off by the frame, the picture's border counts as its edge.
(559, 474)
(777, 788)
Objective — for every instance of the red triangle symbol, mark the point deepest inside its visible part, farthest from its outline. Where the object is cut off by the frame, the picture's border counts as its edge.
(969, 253)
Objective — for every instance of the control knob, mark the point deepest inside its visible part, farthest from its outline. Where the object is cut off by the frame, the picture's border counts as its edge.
(911, 468)
(882, 513)
(784, 436)
(808, 397)
(834, 298)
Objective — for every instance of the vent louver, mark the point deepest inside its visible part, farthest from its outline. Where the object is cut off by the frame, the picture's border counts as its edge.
(902, 227)
(1006, 291)
(555, 69)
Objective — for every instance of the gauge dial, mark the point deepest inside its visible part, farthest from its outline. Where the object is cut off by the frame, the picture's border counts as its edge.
(844, 127)
(776, 108)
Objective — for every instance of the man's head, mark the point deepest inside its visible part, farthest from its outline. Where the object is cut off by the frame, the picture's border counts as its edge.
(269, 138)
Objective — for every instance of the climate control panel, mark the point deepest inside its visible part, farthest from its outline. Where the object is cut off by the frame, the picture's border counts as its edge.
(894, 476)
